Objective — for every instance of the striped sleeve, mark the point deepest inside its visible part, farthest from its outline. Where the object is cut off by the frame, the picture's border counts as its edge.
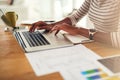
(82, 11)
(105, 14)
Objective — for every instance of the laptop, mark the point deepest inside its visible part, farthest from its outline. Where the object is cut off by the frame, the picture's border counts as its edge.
(39, 40)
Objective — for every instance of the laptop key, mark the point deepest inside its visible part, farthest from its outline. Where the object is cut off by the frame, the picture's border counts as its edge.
(44, 39)
(32, 35)
(35, 39)
(39, 40)
(27, 38)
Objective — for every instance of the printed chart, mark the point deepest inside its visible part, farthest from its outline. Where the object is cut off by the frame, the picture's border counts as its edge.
(74, 63)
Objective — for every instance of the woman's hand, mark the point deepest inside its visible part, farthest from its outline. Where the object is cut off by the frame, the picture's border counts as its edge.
(65, 27)
(40, 25)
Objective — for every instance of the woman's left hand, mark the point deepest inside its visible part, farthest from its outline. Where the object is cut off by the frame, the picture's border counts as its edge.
(65, 27)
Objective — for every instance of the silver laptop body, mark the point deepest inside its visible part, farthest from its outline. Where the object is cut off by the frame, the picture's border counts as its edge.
(39, 40)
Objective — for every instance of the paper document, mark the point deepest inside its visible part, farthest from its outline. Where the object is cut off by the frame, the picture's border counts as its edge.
(69, 61)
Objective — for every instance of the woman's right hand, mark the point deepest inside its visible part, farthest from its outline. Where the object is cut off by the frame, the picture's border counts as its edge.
(40, 25)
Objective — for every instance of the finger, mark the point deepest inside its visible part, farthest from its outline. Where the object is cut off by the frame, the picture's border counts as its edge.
(35, 26)
(57, 32)
(38, 25)
(53, 29)
(32, 28)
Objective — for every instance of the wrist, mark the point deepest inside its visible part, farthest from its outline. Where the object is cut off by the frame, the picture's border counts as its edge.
(91, 33)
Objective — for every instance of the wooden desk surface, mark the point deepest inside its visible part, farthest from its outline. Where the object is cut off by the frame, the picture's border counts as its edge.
(15, 66)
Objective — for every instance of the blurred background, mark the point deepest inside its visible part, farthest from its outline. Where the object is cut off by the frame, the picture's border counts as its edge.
(42, 9)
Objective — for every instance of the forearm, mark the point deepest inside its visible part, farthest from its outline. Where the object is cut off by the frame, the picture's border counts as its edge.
(83, 32)
(98, 36)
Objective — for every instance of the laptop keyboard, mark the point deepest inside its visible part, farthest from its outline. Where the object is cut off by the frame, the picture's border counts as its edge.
(35, 38)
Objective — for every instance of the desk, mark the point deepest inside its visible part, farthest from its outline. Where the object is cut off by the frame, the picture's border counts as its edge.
(14, 64)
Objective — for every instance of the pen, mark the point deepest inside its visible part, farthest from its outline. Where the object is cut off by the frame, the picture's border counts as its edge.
(50, 21)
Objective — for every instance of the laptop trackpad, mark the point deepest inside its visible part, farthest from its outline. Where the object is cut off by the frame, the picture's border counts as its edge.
(56, 40)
